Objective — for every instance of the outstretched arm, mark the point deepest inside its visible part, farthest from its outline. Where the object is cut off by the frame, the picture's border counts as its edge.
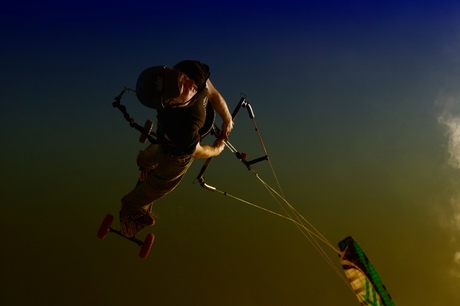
(219, 104)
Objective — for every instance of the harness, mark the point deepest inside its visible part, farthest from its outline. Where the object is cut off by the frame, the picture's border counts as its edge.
(153, 137)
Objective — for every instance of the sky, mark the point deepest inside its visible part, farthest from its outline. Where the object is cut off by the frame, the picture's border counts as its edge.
(358, 104)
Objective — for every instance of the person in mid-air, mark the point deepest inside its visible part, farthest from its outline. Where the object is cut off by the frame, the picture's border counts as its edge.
(180, 96)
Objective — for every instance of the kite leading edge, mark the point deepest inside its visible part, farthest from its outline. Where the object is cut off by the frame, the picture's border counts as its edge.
(364, 280)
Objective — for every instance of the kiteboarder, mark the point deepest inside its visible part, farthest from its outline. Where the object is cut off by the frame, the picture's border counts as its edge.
(180, 96)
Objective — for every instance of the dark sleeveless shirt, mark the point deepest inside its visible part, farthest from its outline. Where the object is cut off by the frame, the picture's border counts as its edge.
(179, 127)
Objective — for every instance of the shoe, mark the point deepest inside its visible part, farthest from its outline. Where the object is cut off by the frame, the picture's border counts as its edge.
(129, 228)
(131, 225)
(146, 219)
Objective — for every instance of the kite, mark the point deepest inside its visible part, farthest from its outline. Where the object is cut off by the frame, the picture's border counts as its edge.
(364, 280)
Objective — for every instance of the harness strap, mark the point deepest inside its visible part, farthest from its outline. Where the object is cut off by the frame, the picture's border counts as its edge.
(152, 137)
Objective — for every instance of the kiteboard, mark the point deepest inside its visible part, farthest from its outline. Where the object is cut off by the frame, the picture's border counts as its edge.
(106, 227)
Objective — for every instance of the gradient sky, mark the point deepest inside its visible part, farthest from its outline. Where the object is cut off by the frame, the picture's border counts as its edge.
(359, 107)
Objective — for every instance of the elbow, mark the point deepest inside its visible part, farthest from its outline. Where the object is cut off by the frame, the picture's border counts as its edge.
(205, 151)
(201, 152)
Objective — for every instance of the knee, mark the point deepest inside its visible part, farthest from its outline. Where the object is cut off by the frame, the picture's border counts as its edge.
(145, 160)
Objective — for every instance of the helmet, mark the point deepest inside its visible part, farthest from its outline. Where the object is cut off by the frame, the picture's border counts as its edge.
(156, 85)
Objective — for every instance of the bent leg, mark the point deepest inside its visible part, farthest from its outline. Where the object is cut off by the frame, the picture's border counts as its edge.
(167, 174)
